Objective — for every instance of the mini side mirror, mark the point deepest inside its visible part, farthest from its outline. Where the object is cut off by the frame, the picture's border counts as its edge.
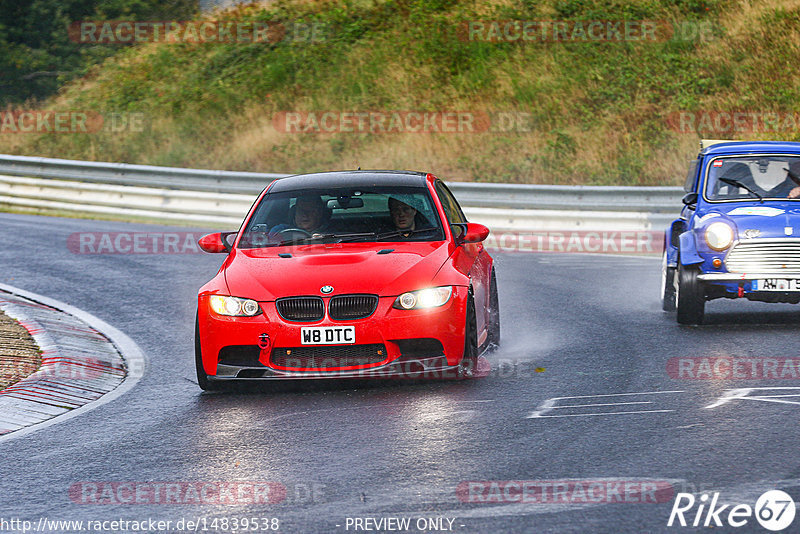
(690, 198)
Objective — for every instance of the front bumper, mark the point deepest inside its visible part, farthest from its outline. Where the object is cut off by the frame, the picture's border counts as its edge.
(737, 277)
(387, 326)
(743, 285)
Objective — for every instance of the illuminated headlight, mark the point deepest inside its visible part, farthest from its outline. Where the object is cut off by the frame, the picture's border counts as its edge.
(424, 298)
(719, 235)
(234, 306)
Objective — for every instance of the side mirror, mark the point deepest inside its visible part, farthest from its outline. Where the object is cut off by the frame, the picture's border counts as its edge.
(690, 198)
(215, 243)
(470, 232)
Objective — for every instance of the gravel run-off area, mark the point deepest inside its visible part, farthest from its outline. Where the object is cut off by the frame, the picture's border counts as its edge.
(19, 354)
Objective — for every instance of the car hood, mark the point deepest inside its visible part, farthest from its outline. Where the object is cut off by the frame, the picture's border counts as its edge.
(263, 275)
(770, 219)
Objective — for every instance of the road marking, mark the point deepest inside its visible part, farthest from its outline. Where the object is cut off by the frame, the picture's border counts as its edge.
(606, 404)
(534, 416)
(551, 404)
(744, 394)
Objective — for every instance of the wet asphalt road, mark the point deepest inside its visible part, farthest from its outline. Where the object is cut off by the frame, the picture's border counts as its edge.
(573, 326)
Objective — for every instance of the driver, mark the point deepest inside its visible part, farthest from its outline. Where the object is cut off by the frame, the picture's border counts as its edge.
(403, 215)
(794, 168)
(309, 216)
(740, 172)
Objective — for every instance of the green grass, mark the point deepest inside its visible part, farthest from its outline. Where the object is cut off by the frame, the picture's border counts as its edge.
(597, 112)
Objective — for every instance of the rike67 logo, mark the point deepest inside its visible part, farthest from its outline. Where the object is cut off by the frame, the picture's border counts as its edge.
(774, 510)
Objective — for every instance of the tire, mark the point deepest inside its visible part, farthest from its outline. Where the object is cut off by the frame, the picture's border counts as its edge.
(493, 330)
(668, 303)
(202, 378)
(690, 298)
(469, 361)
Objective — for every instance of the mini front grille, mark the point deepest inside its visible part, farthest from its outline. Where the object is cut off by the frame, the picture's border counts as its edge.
(301, 309)
(778, 256)
(328, 357)
(346, 307)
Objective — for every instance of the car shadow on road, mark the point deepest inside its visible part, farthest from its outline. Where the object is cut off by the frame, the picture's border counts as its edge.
(334, 385)
(789, 319)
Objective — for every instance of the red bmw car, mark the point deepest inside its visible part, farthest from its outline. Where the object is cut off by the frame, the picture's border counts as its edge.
(369, 274)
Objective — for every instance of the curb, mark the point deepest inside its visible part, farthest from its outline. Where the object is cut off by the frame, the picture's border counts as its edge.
(85, 363)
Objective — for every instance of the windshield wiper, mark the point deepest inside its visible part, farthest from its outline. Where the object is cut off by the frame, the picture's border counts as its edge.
(404, 233)
(344, 238)
(340, 237)
(737, 183)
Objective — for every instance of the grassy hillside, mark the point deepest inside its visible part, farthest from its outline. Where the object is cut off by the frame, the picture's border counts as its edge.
(595, 112)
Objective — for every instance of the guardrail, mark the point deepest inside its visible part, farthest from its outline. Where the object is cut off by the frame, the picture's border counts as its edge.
(210, 197)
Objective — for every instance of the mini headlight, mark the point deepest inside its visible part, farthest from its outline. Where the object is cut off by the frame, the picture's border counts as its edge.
(234, 306)
(424, 298)
(719, 236)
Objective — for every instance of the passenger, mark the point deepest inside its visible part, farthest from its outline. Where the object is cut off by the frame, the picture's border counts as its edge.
(794, 168)
(403, 215)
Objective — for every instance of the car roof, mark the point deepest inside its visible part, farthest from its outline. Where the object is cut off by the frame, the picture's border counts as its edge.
(745, 147)
(349, 179)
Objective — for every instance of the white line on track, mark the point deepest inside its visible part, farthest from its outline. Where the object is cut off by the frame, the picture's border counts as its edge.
(596, 413)
(745, 394)
(551, 404)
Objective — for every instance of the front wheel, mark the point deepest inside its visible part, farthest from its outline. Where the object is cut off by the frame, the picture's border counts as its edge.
(469, 361)
(691, 298)
(667, 285)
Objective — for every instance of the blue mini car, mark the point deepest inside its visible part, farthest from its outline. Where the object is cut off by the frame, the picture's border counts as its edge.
(738, 235)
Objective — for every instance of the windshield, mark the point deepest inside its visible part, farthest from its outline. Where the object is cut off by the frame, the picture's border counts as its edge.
(343, 215)
(753, 178)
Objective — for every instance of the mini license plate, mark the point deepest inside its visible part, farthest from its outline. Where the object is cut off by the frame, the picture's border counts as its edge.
(776, 284)
(327, 335)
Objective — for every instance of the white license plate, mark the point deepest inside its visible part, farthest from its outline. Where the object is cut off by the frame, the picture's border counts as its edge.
(776, 284)
(327, 335)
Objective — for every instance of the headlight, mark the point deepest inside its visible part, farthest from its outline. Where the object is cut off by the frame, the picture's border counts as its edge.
(424, 298)
(719, 235)
(234, 306)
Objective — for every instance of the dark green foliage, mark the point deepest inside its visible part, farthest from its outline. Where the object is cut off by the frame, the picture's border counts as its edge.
(36, 54)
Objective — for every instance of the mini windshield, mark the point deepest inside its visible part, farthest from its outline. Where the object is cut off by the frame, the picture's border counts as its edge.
(343, 215)
(753, 178)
